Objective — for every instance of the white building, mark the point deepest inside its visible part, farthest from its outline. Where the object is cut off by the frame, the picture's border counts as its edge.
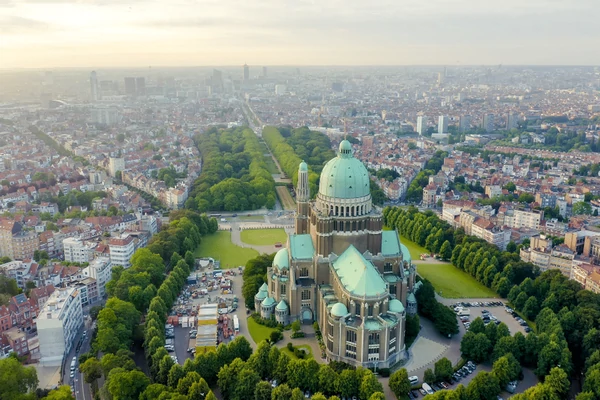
(58, 323)
(101, 270)
(121, 250)
(280, 90)
(443, 124)
(421, 124)
(115, 164)
(523, 219)
(77, 251)
(105, 115)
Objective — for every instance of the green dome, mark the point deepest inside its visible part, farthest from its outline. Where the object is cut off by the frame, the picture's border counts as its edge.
(411, 298)
(281, 306)
(344, 177)
(263, 292)
(281, 259)
(268, 302)
(396, 306)
(339, 310)
(303, 166)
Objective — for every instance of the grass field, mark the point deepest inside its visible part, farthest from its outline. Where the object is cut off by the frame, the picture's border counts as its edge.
(452, 283)
(219, 246)
(258, 332)
(251, 218)
(263, 237)
(285, 198)
(414, 249)
(291, 355)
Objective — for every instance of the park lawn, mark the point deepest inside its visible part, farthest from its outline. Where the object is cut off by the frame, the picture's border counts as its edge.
(258, 332)
(263, 237)
(452, 283)
(292, 356)
(414, 249)
(219, 246)
(251, 218)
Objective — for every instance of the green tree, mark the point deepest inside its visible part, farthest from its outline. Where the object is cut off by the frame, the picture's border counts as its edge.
(485, 386)
(399, 383)
(92, 369)
(348, 385)
(369, 385)
(582, 208)
(246, 384)
(126, 385)
(429, 376)
(446, 251)
(558, 381)
(16, 380)
(475, 347)
(262, 391)
(62, 393)
(443, 369)
(328, 380)
(281, 392)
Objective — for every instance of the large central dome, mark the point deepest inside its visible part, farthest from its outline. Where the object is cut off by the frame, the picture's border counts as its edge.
(344, 177)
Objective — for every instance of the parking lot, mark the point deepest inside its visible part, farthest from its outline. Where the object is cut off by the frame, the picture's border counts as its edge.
(492, 311)
(212, 287)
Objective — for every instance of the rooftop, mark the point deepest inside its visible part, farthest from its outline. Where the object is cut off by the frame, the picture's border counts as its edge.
(57, 302)
(358, 275)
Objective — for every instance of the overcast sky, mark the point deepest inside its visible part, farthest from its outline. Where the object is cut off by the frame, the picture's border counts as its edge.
(103, 33)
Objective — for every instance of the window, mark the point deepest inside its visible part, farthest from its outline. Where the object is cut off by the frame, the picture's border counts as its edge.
(283, 289)
(357, 309)
(374, 338)
(330, 329)
(303, 271)
(387, 267)
(370, 310)
(306, 295)
(351, 336)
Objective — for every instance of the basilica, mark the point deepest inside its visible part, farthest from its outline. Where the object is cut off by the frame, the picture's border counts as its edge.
(342, 269)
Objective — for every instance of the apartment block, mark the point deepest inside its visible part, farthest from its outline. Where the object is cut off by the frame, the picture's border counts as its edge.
(58, 323)
(75, 250)
(99, 269)
(121, 250)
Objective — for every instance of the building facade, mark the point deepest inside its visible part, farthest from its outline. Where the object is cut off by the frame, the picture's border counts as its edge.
(121, 250)
(57, 324)
(75, 250)
(341, 269)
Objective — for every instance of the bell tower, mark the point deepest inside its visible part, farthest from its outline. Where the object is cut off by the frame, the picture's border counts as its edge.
(302, 197)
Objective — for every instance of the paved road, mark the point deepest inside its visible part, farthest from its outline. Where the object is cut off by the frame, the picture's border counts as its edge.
(82, 389)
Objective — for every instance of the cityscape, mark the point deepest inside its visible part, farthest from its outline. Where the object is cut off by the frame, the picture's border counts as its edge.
(268, 215)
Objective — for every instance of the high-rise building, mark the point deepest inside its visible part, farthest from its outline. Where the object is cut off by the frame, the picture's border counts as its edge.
(512, 121)
(104, 115)
(488, 122)
(58, 323)
(421, 124)
(443, 124)
(94, 86)
(264, 72)
(280, 89)
(440, 80)
(115, 164)
(246, 72)
(130, 86)
(140, 86)
(464, 123)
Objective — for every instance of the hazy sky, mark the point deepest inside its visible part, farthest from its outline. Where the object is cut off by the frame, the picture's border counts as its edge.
(101, 33)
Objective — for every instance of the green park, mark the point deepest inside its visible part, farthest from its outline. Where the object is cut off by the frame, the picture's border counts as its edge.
(220, 247)
(263, 237)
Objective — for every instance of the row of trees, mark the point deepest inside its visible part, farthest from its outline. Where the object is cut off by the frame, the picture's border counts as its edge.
(234, 173)
(567, 317)
(499, 270)
(288, 159)
(134, 292)
(443, 317)
(254, 275)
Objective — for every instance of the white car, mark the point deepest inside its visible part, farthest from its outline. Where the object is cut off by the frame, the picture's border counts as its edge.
(170, 347)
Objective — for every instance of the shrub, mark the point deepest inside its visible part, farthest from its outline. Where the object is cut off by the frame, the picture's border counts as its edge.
(276, 336)
(296, 335)
(290, 346)
(384, 372)
(299, 353)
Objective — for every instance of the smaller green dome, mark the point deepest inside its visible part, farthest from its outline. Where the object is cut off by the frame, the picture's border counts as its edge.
(282, 306)
(411, 298)
(261, 295)
(396, 306)
(268, 302)
(303, 166)
(339, 310)
(264, 288)
(282, 260)
(345, 148)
